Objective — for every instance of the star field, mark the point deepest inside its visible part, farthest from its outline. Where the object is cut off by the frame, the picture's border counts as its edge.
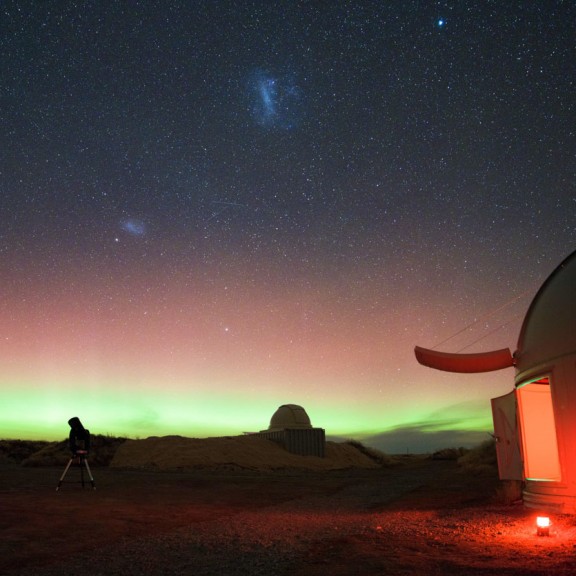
(210, 209)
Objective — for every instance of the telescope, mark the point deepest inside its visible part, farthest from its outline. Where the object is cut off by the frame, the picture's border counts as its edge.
(79, 441)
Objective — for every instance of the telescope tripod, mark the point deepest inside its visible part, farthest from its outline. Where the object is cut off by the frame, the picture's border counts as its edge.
(80, 458)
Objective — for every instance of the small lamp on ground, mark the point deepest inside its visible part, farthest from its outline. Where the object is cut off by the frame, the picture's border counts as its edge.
(543, 526)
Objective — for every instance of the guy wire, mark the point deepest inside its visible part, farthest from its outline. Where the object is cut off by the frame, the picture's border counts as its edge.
(489, 333)
(484, 317)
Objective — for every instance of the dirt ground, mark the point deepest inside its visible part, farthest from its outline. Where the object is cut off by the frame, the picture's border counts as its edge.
(450, 524)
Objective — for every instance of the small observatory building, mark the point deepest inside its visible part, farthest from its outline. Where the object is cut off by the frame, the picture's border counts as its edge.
(535, 424)
(290, 427)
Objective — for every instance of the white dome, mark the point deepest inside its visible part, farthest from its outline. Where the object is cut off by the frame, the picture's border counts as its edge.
(549, 328)
(289, 416)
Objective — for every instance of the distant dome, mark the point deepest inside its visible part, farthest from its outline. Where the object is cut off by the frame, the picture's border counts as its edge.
(289, 416)
(549, 329)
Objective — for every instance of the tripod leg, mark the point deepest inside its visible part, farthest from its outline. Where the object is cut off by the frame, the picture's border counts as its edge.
(64, 474)
(89, 474)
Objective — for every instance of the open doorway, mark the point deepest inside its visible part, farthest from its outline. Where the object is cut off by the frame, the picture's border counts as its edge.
(538, 431)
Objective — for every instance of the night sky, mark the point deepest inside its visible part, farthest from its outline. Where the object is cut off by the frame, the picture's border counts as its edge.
(212, 208)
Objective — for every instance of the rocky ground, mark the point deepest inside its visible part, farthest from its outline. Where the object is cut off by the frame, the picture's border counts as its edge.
(417, 517)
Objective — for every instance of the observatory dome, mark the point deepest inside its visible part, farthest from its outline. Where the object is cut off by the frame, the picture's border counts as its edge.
(289, 416)
(549, 328)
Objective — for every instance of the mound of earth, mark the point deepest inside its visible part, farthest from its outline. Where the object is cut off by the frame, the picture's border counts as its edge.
(251, 452)
(102, 451)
